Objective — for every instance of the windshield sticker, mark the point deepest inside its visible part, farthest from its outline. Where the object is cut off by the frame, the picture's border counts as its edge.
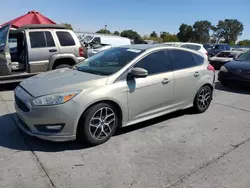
(134, 50)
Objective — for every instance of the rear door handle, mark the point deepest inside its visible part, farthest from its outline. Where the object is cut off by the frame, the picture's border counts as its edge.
(165, 81)
(196, 74)
(53, 50)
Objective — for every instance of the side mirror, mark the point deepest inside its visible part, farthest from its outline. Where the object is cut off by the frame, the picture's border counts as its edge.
(139, 72)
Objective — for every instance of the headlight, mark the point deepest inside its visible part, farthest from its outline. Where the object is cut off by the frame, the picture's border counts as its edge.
(54, 99)
(223, 69)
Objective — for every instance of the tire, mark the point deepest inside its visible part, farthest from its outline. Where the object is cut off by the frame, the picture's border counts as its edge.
(95, 134)
(202, 99)
(63, 66)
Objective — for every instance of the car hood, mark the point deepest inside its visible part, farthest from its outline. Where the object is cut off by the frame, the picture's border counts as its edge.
(61, 80)
(242, 65)
(221, 59)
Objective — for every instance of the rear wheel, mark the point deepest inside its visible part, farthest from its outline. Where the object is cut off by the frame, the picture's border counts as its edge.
(203, 99)
(98, 124)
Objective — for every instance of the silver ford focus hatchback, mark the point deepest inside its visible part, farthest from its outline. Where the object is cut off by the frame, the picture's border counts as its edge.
(114, 88)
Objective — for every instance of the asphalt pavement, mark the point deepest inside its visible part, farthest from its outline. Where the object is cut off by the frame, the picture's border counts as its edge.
(209, 150)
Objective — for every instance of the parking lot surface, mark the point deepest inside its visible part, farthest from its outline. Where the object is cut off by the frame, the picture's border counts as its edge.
(179, 150)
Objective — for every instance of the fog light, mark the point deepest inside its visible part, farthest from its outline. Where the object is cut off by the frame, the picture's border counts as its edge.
(50, 127)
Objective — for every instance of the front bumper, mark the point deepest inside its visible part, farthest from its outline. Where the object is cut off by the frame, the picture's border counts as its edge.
(30, 120)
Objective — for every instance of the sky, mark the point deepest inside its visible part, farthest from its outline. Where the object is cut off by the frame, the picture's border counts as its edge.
(143, 16)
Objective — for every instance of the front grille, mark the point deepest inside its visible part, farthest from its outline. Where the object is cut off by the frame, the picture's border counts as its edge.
(21, 105)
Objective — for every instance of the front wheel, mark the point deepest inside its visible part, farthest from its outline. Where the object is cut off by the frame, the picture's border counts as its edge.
(98, 124)
(203, 99)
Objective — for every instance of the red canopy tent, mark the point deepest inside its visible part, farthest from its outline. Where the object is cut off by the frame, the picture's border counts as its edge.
(32, 17)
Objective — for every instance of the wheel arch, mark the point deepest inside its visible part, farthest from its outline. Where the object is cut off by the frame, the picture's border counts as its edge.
(112, 102)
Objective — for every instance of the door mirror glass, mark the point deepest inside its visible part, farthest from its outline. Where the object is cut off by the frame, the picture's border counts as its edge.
(139, 72)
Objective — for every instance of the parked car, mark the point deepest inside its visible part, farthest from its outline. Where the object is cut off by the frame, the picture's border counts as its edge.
(189, 45)
(39, 48)
(99, 43)
(237, 71)
(223, 57)
(218, 48)
(118, 87)
(208, 46)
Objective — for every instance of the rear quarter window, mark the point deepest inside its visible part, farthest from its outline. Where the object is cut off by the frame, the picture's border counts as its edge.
(199, 60)
(65, 38)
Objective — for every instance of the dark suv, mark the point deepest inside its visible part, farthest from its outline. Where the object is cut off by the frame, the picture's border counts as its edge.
(216, 48)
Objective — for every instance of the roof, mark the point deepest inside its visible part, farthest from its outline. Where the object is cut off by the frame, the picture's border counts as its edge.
(42, 26)
(143, 46)
(32, 17)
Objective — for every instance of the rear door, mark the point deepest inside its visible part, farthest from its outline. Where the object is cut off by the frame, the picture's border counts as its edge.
(41, 46)
(5, 59)
(187, 73)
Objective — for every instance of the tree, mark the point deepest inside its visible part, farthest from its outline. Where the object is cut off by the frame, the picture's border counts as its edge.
(153, 34)
(230, 30)
(68, 26)
(244, 43)
(167, 37)
(201, 31)
(185, 33)
(103, 31)
(130, 34)
(116, 33)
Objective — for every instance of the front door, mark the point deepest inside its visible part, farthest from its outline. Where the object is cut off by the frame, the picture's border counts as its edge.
(41, 46)
(5, 58)
(154, 94)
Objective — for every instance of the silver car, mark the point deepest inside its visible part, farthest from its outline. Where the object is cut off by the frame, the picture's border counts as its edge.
(114, 88)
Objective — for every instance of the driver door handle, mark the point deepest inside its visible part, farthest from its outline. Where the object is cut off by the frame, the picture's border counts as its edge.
(196, 74)
(165, 81)
(53, 50)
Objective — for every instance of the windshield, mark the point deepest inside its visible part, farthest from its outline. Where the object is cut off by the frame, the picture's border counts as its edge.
(244, 57)
(108, 61)
(87, 38)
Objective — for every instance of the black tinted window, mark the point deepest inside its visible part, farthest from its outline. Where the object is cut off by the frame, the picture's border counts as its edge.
(182, 59)
(199, 60)
(37, 39)
(65, 38)
(157, 62)
(49, 39)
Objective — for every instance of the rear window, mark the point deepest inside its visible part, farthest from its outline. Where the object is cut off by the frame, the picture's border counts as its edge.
(227, 54)
(191, 46)
(65, 38)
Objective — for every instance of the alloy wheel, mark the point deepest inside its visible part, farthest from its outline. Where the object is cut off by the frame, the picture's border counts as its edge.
(102, 123)
(204, 98)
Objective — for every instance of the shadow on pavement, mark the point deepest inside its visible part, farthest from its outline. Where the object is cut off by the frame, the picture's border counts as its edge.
(13, 138)
(233, 88)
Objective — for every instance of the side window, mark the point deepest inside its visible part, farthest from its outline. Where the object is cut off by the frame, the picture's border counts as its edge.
(199, 60)
(184, 46)
(217, 47)
(182, 59)
(49, 39)
(37, 39)
(155, 63)
(96, 40)
(221, 47)
(65, 38)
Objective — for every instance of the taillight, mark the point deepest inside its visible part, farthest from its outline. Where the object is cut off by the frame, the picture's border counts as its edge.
(210, 67)
(81, 52)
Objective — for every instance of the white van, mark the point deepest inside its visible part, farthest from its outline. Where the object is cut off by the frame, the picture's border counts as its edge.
(98, 43)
